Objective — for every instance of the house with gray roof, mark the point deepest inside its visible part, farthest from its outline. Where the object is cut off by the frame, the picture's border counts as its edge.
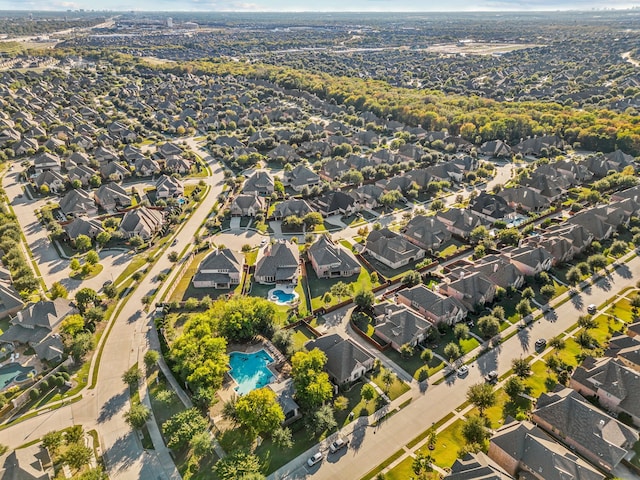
(473, 290)
(428, 233)
(278, 263)
(26, 464)
(260, 183)
(525, 198)
(537, 145)
(247, 205)
(476, 466)
(82, 173)
(78, 202)
(497, 269)
(346, 361)
(392, 249)
(111, 196)
(435, 307)
(599, 228)
(222, 268)
(169, 187)
(46, 161)
(596, 436)
(551, 184)
(492, 207)
(285, 395)
(300, 177)
(460, 221)
(525, 451)
(143, 221)
(114, 171)
(83, 226)
(495, 148)
(178, 164)
(52, 180)
(367, 196)
(399, 325)
(146, 167)
(529, 260)
(331, 260)
(293, 206)
(335, 203)
(10, 300)
(37, 325)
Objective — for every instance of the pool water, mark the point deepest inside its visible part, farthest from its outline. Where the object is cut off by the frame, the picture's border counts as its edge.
(284, 297)
(250, 370)
(13, 371)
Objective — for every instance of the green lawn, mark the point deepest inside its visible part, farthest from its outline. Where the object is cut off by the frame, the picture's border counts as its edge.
(402, 471)
(622, 309)
(282, 311)
(356, 405)
(397, 388)
(449, 441)
(540, 379)
(413, 364)
(250, 257)
(607, 326)
(275, 457)
(319, 286)
(568, 354)
(450, 248)
(301, 335)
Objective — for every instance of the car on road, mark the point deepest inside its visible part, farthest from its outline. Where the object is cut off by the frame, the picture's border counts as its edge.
(491, 377)
(175, 242)
(541, 343)
(462, 371)
(316, 458)
(591, 309)
(263, 242)
(338, 444)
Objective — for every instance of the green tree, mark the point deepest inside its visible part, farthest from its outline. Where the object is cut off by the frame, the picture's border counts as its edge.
(387, 379)
(132, 376)
(238, 466)
(151, 358)
(411, 278)
(311, 382)
(83, 243)
(478, 234)
(340, 290)
(474, 430)
(321, 420)
(367, 392)
(523, 308)
(587, 322)
(452, 351)
(259, 411)
(201, 445)
(422, 465)
(75, 264)
(183, 426)
(521, 367)
(80, 345)
(72, 325)
(77, 456)
(513, 387)
(92, 257)
(482, 396)
(528, 293)
(242, 318)
(58, 290)
(461, 331)
(618, 248)
(52, 441)
(312, 219)
(406, 350)
(282, 438)
(137, 416)
(489, 326)
(92, 474)
(426, 355)
(509, 236)
(136, 241)
(111, 291)
(574, 276)
(103, 238)
(596, 262)
(364, 299)
(86, 297)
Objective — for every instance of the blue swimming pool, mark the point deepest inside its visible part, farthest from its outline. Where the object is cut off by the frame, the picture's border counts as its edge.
(284, 297)
(13, 371)
(250, 370)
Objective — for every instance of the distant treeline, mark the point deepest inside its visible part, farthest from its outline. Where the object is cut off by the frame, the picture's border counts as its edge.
(17, 27)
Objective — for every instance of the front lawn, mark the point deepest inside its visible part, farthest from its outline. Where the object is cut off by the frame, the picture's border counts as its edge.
(274, 457)
(448, 443)
(413, 364)
(622, 309)
(319, 286)
(397, 388)
(540, 381)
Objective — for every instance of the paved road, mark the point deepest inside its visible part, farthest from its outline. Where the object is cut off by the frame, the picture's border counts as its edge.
(103, 408)
(371, 445)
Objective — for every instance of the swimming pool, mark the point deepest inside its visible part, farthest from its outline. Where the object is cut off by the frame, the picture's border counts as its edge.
(13, 371)
(250, 370)
(281, 297)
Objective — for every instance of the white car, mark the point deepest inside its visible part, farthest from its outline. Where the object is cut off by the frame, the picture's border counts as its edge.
(263, 242)
(316, 458)
(591, 309)
(338, 444)
(462, 371)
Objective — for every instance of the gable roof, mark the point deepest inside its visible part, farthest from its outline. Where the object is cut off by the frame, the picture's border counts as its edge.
(292, 206)
(326, 253)
(477, 466)
(9, 297)
(76, 201)
(428, 231)
(343, 356)
(432, 302)
(83, 226)
(279, 260)
(390, 245)
(399, 323)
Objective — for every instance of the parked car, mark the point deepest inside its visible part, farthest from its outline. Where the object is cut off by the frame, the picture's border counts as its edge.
(591, 309)
(462, 371)
(491, 377)
(541, 343)
(316, 458)
(338, 444)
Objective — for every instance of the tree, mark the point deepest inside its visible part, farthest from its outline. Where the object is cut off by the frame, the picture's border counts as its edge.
(136, 241)
(282, 437)
(83, 243)
(173, 256)
(111, 291)
(574, 276)
(521, 367)
(312, 219)
(77, 456)
(452, 351)
(183, 426)
(482, 396)
(58, 290)
(367, 392)
(201, 444)
(340, 290)
(422, 464)
(259, 411)
(513, 387)
(364, 299)
(587, 322)
(618, 248)
(95, 181)
(548, 291)
(528, 293)
(80, 345)
(132, 376)
(311, 382)
(411, 278)
(137, 416)
(523, 307)
(103, 238)
(461, 331)
(93, 474)
(474, 430)
(406, 350)
(489, 326)
(85, 297)
(426, 355)
(387, 379)
(75, 264)
(238, 466)
(151, 358)
(596, 262)
(52, 441)
(321, 420)
(241, 318)
(94, 315)
(478, 234)
(92, 257)
(72, 325)
(509, 236)
(585, 340)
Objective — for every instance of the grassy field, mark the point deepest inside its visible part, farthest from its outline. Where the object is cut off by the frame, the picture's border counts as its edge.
(413, 364)
(397, 388)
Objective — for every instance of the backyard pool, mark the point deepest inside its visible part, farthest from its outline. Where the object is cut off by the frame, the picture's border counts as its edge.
(14, 371)
(250, 370)
(281, 297)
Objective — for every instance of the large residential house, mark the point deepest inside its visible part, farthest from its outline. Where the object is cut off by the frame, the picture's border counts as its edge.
(392, 249)
(525, 198)
(112, 196)
(300, 177)
(492, 207)
(399, 325)
(525, 451)
(330, 260)
(143, 221)
(460, 221)
(435, 307)
(55, 182)
(89, 227)
(114, 171)
(346, 361)
(222, 268)
(582, 427)
(529, 261)
(336, 203)
(45, 162)
(428, 233)
(78, 202)
(293, 206)
(247, 205)
(278, 263)
(10, 300)
(169, 187)
(476, 466)
(260, 183)
(497, 269)
(26, 464)
(471, 290)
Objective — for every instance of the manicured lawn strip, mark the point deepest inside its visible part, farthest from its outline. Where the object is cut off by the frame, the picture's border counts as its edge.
(607, 326)
(274, 457)
(302, 298)
(372, 474)
(397, 388)
(250, 257)
(185, 288)
(425, 434)
(402, 471)
(449, 441)
(413, 364)
(468, 345)
(137, 262)
(568, 354)
(622, 309)
(539, 379)
(496, 413)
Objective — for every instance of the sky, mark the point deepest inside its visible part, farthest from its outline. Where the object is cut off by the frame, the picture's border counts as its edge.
(316, 5)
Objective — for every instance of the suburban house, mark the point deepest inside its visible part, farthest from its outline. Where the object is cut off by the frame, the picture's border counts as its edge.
(471, 290)
(525, 198)
(330, 260)
(392, 249)
(593, 224)
(529, 261)
(146, 167)
(285, 393)
(582, 427)
(367, 196)
(247, 205)
(27, 464)
(45, 162)
(260, 183)
(83, 226)
(435, 307)
(579, 237)
(293, 206)
(112, 196)
(495, 148)
(55, 182)
(300, 177)
(497, 269)
(560, 248)
(278, 263)
(82, 173)
(10, 300)
(428, 233)
(177, 164)
(222, 268)
(525, 451)
(346, 361)
(169, 187)
(460, 221)
(143, 221)
(538, 145)
(550, 185)
(78, 202)
(476, 466)
(492, 207)
(37, 325)
(399, 325)
(114, 171)
(614, 384)
(335, 203)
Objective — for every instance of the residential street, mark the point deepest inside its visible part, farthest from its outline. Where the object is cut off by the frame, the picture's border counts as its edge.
(372, 445)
